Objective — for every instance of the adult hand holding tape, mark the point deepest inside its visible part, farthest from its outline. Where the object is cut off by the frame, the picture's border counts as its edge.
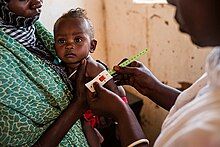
(105, 76)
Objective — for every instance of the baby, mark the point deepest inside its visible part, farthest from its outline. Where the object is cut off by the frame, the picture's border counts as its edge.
(74, 41)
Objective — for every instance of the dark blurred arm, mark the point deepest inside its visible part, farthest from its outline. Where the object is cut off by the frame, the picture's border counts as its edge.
(143, 80)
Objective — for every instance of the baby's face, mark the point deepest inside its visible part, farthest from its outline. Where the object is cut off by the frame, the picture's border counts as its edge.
(72, 40)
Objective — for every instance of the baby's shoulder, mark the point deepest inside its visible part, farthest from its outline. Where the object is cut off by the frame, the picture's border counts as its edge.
(94, 67)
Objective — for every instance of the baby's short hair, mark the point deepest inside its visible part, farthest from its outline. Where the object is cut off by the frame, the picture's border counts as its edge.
(78, 13)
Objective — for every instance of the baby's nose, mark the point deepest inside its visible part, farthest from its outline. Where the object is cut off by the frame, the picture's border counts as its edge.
(70, 45)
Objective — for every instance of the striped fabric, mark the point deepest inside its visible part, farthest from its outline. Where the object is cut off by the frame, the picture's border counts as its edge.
(22, 29)
(25, 36)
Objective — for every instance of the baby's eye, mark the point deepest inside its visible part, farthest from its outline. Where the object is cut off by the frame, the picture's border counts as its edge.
(61, 41)
(78, 40)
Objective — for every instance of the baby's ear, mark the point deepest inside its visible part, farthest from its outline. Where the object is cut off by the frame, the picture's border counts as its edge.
(93, 45)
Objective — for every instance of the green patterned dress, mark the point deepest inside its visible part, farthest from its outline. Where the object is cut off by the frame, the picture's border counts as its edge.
(32, 95)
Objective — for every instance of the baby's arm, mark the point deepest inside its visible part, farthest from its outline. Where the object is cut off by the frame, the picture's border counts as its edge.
(96, 67)
(93, 136)
(93, 69)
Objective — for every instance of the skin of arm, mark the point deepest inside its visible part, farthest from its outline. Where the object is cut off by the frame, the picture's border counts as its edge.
(164, 95)
(142, 79)
(94, 138)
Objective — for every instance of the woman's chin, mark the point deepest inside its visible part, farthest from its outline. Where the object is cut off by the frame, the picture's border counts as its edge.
(202, 43)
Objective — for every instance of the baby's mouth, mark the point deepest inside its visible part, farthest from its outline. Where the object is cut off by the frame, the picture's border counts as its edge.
(70, 55)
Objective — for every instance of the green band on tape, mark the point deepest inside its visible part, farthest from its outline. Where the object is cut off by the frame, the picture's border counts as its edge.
(129, 60)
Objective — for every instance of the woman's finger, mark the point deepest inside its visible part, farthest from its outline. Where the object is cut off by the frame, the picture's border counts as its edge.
(122, 61)
(125, 70)
(81, 70)
(98, 88)
(135, 64)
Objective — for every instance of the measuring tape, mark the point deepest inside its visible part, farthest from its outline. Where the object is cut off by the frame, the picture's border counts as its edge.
(105, 76)
(129, 60)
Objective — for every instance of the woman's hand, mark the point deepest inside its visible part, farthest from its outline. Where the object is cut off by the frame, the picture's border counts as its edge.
(142, 79)
(137, 76)
(81, 93)
(105, 102)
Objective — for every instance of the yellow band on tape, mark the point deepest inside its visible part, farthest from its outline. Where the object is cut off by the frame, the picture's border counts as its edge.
(129, 60)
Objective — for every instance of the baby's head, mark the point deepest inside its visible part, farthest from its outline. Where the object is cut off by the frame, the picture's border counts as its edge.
(74, 37)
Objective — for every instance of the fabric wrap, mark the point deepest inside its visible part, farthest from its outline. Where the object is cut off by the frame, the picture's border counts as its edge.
(32, 94)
